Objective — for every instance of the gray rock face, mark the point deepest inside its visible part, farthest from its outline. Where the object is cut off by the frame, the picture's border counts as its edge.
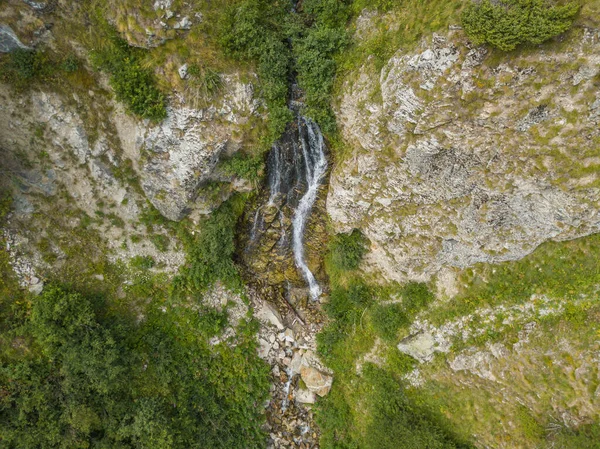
(40, 6)
(178, 155)
(448, 170)
(9, 40)
(420, 347)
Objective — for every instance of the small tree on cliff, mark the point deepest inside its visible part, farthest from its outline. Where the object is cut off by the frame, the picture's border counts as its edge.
(506, 24)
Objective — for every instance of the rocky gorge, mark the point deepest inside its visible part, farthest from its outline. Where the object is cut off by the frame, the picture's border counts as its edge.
(434, 255)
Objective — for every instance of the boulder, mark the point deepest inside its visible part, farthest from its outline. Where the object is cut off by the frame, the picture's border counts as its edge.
(420, 346)
(305, 396)
(269, 315)
(315, 380)
(8, 40)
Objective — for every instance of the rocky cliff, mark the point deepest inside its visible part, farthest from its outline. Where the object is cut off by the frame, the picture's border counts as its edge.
(458, 158)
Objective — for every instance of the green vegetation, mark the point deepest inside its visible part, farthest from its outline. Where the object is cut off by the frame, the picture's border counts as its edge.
(510, 23)
(23, 67)
(210, 254)
(315, 47)
(371, 409)
(585, 437)
(88, 376)
(83, 365)
(261, 31)
(347, 250)
(565, 270)
(134, 85)
(254, 30)
(250, 167)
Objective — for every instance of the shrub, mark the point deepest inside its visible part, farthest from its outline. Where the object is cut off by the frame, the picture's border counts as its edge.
(70, 64)
(161, 242)
(244, 166)
(388, 319)
(24, 63)
(142, 262)
(24, 66)
(316, 70)
(415, 297)
(507, 24)
(254, 30)
(133, 84)
(347, 250)
(95, 379)
(5, 204)
(210, 254)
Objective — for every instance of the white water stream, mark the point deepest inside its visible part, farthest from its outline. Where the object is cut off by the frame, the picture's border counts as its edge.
(316, 165)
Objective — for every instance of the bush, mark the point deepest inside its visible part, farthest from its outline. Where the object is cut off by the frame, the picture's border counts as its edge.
(5, 204)
(316, 71)
(347, 250)
(23, 67)
(388, 319)
(507, 24)
(161, 242)
(254, 30)
(210, 254)
(133, 84)
(24, 63)
(415, 297)
(95, 379)
(244, 166)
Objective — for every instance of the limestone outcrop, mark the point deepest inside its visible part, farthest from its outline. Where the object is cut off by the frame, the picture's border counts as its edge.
(458, 159)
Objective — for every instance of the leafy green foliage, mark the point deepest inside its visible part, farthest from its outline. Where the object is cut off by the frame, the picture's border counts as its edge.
(347, 250)
(316, 44)
(510, 23)
(253, 30)
(160, 241)
(244, 166)
(210, 254)
(96, 379)
(5, 204)
(22, 67)
(133, 84)
(387, 319)
(317, 68)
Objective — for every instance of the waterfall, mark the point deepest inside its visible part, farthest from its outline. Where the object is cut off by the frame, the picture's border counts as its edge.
(296, 167)
(316, 166)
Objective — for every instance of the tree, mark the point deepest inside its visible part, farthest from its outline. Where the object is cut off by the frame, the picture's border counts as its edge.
(506, 24)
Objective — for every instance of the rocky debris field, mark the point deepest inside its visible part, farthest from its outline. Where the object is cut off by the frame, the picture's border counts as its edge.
(287, 340)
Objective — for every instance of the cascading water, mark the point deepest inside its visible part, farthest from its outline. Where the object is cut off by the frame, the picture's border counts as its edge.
(296, 167)
(316, 166)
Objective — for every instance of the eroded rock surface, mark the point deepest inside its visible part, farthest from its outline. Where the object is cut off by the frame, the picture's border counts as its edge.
(457, 161)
